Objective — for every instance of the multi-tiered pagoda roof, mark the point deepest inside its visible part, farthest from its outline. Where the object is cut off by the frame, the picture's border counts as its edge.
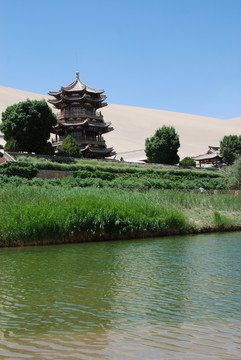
(77, 91)
(78, 116)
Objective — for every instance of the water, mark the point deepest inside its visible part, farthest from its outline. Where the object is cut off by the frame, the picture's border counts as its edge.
(165, 298)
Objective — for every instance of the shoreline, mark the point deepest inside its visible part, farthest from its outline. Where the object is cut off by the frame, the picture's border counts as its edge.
(88, 237)
(41, 213)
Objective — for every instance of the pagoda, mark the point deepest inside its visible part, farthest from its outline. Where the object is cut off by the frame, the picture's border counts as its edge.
(78, 117)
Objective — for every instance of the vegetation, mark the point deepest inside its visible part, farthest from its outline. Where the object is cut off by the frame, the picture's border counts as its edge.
(188, 161)
(234, 174)
(86, 178)
(27, 126)
(163, 146)
(11, 145)
(109, 200)
(69, 147)
(230, 148)
(46, 212)
(24, 170)
(139, 177)
(48, 149)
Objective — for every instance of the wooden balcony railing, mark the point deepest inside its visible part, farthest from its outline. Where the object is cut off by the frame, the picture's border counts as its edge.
(85, 141)
(83, 113)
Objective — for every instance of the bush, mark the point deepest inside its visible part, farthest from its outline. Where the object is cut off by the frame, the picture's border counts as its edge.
(83, 174)
(64, 160)
(24, 170)
(188, 161)
(104, 175)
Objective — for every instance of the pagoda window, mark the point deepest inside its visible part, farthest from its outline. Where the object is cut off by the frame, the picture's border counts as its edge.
(75, 109)
(76, 134)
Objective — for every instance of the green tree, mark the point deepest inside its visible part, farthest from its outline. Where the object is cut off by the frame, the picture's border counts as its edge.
(69, 147)
(48, 149)
(11, 145)
(29, 123)
(230, 148)
(163, 146)
(188, 161)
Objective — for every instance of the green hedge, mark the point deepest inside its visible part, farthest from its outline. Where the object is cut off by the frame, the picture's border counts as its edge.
(142, 183)
(20, 169)
(140, 177)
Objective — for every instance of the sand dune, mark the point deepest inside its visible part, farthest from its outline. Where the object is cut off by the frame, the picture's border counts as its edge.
(132, 125)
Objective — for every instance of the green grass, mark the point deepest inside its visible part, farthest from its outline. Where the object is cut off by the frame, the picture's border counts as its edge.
(30, 214)
(51, 212)
(133, 200)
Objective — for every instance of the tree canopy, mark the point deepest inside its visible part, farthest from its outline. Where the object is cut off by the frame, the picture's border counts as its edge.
(163, 146)
(69, 147)
(230, 148)
(28, 125)
(188, 161)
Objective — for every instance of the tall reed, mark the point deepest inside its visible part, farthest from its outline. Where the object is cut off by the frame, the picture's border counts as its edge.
(50, 211)
(29, 214)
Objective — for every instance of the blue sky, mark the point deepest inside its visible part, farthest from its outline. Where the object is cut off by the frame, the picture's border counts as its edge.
(176, 55)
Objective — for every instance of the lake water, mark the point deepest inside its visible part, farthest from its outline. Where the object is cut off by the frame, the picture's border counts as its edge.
(165, 298)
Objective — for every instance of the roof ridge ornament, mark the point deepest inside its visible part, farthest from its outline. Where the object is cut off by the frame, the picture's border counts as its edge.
(77, 75)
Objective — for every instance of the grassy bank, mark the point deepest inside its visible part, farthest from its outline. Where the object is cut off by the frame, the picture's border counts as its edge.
(52, 214)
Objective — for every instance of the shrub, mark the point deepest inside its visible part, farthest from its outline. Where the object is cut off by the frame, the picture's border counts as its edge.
(64, 160)
(188, 161)
(104, 175)
(24, 170)
(83, 174)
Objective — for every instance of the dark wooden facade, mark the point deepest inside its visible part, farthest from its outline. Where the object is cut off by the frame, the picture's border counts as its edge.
(80, 117)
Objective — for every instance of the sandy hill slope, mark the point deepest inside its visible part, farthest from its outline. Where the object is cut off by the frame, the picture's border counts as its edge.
(132, 125)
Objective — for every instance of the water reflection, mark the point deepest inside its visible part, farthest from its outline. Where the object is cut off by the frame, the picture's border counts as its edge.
(171, 295)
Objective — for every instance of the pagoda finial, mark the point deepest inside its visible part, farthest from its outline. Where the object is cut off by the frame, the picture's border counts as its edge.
(77, 75)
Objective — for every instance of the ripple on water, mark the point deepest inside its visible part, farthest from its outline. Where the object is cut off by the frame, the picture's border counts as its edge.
(184, 342)
(170, 298)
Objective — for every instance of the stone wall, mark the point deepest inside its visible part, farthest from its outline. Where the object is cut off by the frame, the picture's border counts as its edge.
(50, 174)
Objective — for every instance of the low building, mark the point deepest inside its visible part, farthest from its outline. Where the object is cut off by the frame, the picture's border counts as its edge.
(212, 157)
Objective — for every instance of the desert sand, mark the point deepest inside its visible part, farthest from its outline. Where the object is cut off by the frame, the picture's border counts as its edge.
(132, 125)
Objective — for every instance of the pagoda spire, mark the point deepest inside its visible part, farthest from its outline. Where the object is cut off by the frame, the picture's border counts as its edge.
(77, 75)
